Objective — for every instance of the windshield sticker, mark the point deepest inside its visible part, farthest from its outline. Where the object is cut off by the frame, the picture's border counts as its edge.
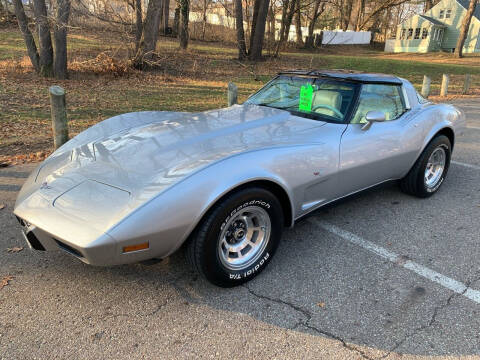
(306, 97)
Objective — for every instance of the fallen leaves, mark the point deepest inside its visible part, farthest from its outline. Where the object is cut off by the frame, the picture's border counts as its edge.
(5, 281)
(24, 158)
(15, 249)
(321, 304)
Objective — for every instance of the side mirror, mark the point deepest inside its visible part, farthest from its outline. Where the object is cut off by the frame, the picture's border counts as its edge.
(373, 116)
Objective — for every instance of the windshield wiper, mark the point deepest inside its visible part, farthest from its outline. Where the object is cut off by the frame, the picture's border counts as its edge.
(275, 107)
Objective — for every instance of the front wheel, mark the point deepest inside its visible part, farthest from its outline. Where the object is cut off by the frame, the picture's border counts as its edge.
(237, 238)
(430, 170)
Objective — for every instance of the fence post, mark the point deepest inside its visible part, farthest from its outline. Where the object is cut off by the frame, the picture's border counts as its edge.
(59, 116)
(232, 94)
(444, 89)
(466, 84)
(426, 86)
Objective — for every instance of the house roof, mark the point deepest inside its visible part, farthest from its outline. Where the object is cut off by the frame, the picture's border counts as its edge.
(433, 21)
(465, 4)
(349, 75)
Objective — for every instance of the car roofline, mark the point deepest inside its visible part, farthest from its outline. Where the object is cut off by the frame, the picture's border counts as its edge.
(340, 74)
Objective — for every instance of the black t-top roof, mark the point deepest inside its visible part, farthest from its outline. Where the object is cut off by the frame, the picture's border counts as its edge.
(370, 78)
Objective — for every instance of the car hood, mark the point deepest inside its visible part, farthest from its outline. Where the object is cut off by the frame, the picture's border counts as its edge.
(135, 156)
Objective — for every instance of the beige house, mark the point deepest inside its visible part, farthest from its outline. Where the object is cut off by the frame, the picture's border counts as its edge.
(437, 30)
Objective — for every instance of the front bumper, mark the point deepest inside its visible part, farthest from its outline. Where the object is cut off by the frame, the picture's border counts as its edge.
(101, 253)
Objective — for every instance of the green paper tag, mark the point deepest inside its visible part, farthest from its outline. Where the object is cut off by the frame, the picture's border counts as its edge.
(306, 97)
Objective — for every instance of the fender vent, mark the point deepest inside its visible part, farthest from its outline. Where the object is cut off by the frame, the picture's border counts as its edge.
(68, 249)
(32, 239)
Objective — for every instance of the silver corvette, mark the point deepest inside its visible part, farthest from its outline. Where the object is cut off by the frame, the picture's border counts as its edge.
(225, 183)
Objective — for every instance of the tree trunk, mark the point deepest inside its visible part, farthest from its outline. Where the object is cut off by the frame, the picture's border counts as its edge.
(465, 28)
(346, 13)
(183, 35)
(289, 10)
(27, 34)
(271, 25)
(204, 19)
(60, 37)
(176, 20)
(282, 24)
(355, 15)
(317, 11)
(138, 23)
(166, 15)
(257, 43)
(242, 46)
(428, 5)
(298, 24)
(44, 38)
(148, 42)
(256, 10)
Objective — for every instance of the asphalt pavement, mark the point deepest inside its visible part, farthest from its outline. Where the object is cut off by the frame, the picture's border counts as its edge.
(378, 275)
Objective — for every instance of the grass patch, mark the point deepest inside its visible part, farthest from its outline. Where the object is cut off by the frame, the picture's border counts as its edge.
(192, 80)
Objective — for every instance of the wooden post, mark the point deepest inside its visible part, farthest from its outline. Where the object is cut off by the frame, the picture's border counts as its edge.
(232, 94)
(426, 86)
(444, 89)
(59, 116)
(466, 84)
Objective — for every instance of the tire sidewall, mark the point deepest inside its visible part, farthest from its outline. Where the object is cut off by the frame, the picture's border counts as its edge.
(440, 141)
(214, 269)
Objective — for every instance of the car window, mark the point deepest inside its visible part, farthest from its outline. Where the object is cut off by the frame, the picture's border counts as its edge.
(316, 98)
(380, 97)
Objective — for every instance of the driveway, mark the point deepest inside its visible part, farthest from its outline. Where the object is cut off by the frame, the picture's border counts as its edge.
(380, 274)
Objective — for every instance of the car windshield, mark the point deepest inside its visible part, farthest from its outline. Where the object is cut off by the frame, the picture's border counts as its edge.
(315, 98)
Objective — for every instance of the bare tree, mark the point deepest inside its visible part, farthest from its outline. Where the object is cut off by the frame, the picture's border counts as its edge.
(148, 41)
(27, 34)
(44, 38)
(204, 17)
(298, 24)
(166, 14)
(258, 31)
(465, 28)
(377, 9)
(358, 7)
(318, 9)
(288, 11)
(242, 47)
(138, 23)
(183, 33)
(60, 37)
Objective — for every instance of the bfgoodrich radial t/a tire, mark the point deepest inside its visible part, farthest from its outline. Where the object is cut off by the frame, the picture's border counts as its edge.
(430, 170)
(238, 237)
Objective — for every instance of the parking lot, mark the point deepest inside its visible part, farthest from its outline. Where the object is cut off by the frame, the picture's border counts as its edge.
(378, 275)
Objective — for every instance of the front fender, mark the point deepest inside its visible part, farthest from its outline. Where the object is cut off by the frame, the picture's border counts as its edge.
(167, 220)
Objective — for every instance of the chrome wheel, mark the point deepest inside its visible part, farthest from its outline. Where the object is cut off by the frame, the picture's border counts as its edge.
(435, 167)
(244, 237)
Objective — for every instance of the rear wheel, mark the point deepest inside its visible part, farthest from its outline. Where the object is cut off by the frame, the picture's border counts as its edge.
(430, 170)
(236, 239)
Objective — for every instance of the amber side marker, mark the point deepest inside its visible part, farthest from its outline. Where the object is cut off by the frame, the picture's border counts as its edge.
(135, 247)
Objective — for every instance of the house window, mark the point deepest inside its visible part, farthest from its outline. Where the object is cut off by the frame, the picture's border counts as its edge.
(424, 33)
(442, 14)
(410, 32)
(448, 15)
(402, 34)
(417, 33)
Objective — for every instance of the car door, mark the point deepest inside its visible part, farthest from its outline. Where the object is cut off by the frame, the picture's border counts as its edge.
(382, 151)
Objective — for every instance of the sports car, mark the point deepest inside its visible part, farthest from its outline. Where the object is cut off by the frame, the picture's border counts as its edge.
(223, 184)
